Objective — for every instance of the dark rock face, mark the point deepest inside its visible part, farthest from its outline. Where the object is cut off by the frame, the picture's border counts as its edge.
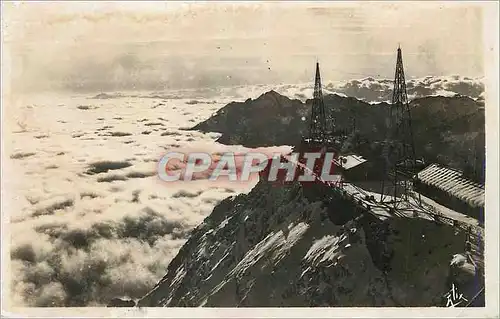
(278, 246)
(261, 122)
(117, 302)
(447, 130)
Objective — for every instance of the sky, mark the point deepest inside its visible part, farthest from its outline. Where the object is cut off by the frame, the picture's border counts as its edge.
(110, 46)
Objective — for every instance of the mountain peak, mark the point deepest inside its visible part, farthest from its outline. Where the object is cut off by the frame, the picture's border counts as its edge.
(272, 93)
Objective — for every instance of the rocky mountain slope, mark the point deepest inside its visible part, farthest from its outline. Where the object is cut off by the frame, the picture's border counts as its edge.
(287, 246)
(448, 130)
(297, 247)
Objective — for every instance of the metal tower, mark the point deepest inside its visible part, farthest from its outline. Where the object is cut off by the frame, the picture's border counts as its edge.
(399, 150)
(317, 126)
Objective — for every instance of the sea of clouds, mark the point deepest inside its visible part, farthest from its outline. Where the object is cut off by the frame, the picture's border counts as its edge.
(88, 218)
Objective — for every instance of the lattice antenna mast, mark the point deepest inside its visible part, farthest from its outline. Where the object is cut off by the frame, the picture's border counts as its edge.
(317, 126)
(400, 153)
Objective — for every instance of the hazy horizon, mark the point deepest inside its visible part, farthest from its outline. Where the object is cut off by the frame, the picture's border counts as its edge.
(83, 47)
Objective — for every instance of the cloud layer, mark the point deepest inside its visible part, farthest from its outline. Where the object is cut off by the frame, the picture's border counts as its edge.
(90, 220)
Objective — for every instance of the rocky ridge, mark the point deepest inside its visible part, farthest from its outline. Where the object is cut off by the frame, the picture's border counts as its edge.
(283, 246)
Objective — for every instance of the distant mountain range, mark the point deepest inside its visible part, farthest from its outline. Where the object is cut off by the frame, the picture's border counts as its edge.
(368, 89)
(380, 90)
(448, 130)
(373, 90)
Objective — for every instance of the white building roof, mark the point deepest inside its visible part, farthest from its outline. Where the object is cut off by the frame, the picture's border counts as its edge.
(350, 161)
(451, 181)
